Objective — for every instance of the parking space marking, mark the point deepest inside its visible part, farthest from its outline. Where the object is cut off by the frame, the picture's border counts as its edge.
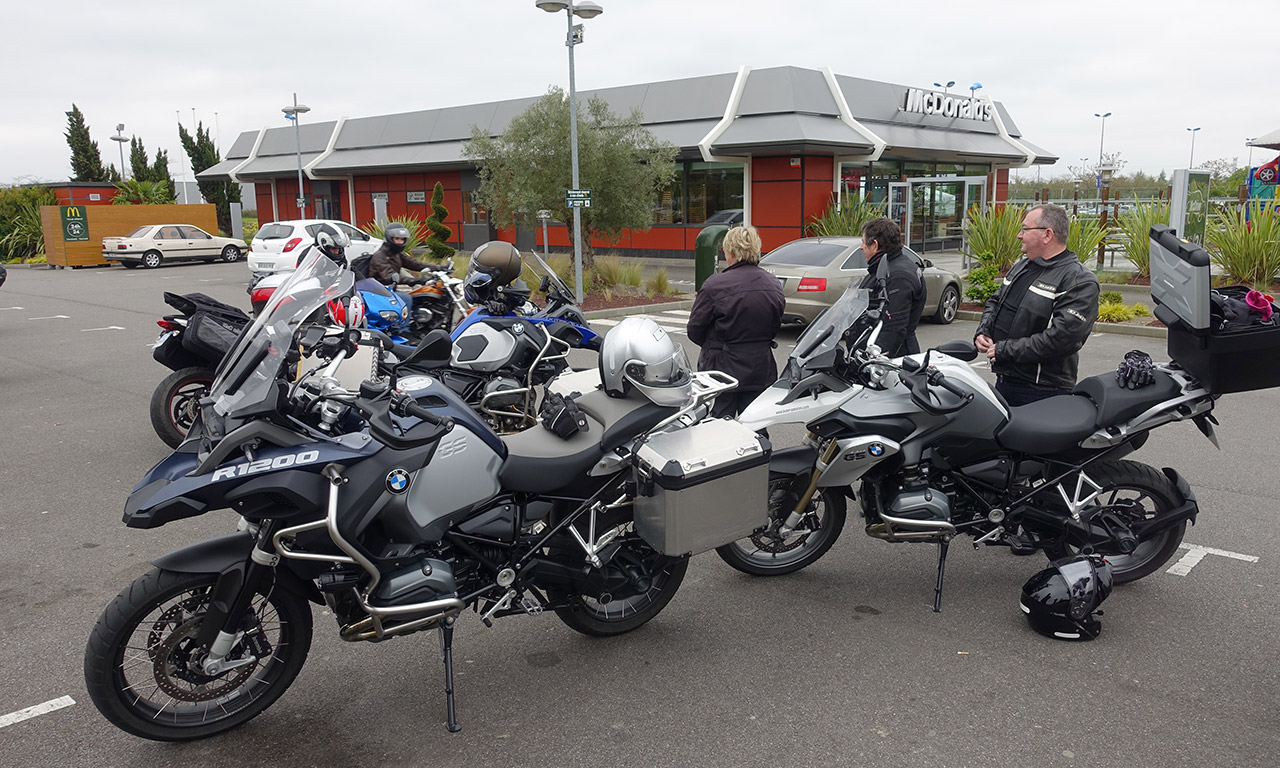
(51, 317)
(680, 312)
(609, 323)
(36, 711)
(104, 328)
(1196, 553)
(4, 308)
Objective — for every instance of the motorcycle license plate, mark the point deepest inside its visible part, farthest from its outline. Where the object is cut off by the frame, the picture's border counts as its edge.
(163, 337)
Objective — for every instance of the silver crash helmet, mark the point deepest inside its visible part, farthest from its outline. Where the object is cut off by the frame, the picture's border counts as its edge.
(638, 353)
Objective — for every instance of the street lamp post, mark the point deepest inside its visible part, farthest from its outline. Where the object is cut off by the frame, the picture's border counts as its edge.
(1191, 162)
(946, 87)
(120, 139)
(1101, 138)
(291, 113)
(587, 10)
(1248, 142)
(974, 89)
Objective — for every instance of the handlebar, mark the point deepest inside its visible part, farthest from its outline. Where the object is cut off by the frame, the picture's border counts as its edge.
(401, 351)
(403, 405)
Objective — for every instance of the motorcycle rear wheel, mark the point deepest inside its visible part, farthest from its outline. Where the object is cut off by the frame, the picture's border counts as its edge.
(618, 614)
(142, 663)
(176, 402)
(762, 555)
(1148, 492)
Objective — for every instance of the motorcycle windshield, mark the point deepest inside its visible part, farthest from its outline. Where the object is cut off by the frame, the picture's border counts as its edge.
(247, 374)
(816, 346)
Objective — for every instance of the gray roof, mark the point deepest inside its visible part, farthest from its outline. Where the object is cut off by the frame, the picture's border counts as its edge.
(781, 110)
(1269, 141)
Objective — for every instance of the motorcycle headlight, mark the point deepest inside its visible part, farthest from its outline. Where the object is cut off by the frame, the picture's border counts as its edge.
(390, 316)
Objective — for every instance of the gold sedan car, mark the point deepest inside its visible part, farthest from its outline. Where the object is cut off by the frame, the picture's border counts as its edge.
(815, 271)
(155, 244)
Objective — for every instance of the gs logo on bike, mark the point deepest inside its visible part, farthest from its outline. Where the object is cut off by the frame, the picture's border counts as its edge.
(264, 465)
(451, 447)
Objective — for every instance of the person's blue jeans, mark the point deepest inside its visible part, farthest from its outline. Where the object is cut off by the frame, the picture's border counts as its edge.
(1017, 393)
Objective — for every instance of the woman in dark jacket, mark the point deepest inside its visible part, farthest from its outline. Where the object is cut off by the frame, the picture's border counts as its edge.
(734, 320)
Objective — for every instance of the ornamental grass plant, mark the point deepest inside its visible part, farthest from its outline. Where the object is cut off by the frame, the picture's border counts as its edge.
(1246, 244)
(1084, 237)
(1134, 226)
(991, 236)
(847, 221)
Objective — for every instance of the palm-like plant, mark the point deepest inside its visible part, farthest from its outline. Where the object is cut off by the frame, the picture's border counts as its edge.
(1135, 232)
(135, 192)
(1246, 243)
(847, 221)
(1084, 236)
(26, 235)
(991, 236)
(415, 227)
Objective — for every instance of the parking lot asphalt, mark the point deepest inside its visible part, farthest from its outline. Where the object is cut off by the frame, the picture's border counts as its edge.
(841, 664)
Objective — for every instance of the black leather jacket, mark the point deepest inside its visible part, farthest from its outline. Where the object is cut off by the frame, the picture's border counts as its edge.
(905, 295)
(1050, 325)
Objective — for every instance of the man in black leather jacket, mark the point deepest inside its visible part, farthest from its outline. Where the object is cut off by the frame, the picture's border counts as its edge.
(390, 258)
(1033, 327)
(904, 286)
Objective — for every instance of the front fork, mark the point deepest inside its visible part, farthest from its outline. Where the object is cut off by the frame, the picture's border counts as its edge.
(802, 505)
(233, 593)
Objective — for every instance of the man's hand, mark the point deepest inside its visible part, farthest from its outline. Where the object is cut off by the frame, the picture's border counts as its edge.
(984, 343)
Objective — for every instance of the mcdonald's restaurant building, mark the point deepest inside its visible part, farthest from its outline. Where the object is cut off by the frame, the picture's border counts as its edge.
(775, 146)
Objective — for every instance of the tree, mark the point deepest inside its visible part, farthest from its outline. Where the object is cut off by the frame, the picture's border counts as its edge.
(141, 192)
(438, 240)
(142, 169)
(204, 155)
(1220, 168)
(86, 160)
(527, 168)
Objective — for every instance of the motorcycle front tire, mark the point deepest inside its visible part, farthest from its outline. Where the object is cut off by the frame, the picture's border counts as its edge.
(174, 403)
(759, 555)
(142, 662)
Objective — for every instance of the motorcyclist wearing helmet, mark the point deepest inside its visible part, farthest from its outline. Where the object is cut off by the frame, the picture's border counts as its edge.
(390, 258)
(330, 241)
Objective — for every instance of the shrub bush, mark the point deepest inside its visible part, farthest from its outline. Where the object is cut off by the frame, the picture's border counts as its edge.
(1110, 297)
(1084, 237)
(992, 235)
(847, 221)
(1246, 244)
(1114, 313)
(1135, 232)
(659, 284)
(983, 282)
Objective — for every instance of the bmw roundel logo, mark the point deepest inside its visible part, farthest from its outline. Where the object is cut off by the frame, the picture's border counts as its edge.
(876, 449)
(517, 328)
(397, 481)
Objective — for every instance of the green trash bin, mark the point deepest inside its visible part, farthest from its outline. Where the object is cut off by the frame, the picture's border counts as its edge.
(705, 249)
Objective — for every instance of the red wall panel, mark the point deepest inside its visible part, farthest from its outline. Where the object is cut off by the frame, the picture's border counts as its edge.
(774, 169)
(775, 203)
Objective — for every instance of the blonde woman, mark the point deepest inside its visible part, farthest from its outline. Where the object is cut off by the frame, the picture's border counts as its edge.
(734, 320)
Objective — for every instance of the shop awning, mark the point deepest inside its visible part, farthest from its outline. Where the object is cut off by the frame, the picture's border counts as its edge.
(952, 146)
(1270, 141)
(792, 133)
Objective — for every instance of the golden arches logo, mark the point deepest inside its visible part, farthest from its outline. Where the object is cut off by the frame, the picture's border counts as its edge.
(73, 211)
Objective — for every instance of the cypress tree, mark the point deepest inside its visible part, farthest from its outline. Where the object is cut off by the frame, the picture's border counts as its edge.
(438, 239)
(204, 155)
(86, 160)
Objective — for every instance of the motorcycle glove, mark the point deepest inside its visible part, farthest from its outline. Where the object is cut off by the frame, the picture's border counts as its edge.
(1136, 370)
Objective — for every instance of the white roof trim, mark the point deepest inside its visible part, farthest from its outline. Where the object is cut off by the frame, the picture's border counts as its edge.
(846, 116)
(253, 153)
(730, 114)
(328, 150)
(1028, 157)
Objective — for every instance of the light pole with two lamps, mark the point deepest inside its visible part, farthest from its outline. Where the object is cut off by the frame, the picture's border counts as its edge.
(946, 87)
(292, 113)
(587, 10)
(1248, 142)
(1191, 162)
(120, 139)
(974, 89)
(1102, 135)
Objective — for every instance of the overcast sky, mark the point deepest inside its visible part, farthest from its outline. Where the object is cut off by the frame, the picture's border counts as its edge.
(1158, 66)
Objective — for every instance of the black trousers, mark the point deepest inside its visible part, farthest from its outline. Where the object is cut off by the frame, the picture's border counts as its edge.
(730, 404)
(1017, 392)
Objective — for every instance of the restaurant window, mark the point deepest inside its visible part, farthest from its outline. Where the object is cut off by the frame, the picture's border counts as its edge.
(711, 188)
(668, 207)
(976, 169)
(877, 186)
(853, 182)
(473, 211)
(914, 170)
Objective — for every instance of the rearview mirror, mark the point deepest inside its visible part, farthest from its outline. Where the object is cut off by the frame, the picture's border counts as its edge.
(434, 351)
(960, 350)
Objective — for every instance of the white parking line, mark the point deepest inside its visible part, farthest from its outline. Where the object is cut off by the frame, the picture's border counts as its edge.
(104, 328)
(680, 312)
(51, 317)
(609, 323)
(1196, 553)
(36, 711)
(4, 308)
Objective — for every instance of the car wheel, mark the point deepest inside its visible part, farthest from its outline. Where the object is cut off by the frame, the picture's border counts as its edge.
(948, 305)
(1267, 175)
(152, 259)
(230, 253)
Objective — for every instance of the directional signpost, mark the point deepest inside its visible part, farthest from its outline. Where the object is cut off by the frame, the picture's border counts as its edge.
(577, 198)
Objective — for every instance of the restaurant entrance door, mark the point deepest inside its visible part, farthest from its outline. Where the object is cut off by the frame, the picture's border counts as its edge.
(936, 208)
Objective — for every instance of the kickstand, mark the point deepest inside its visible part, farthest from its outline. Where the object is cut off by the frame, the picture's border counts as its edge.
(942, 566)
(446, 646)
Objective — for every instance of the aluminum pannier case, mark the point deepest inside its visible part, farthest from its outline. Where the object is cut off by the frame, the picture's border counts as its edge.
(701, 487)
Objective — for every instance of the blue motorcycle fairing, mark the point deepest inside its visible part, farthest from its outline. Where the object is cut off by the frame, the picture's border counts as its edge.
(378, 299)
(481, 314)
(168, 492)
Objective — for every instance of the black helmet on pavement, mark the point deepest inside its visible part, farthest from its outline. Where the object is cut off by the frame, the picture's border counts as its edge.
(393, 230)
(1061, 600)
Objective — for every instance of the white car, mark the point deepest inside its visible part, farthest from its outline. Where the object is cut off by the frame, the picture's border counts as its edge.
(153, 244)
(276, 246)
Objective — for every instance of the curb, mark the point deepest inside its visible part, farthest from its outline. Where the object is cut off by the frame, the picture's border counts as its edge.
(29, 266)
(1122, 329)
(639, 309)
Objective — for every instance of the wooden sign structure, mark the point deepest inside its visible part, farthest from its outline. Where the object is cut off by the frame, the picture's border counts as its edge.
(73, 233)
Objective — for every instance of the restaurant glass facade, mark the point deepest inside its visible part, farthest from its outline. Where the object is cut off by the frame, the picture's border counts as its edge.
(699, 191)
(935, 217)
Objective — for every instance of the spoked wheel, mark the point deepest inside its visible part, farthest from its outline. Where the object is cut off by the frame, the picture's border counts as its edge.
(631, 589)
(769, 554)
(152, 259)
(143, 664)
(230, 254)
(1133, 492)
(176, 403)
(948, 305)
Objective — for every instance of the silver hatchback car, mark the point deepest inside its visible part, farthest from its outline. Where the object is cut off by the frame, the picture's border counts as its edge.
(815, 271)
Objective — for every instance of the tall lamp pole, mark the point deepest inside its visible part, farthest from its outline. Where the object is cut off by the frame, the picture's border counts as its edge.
(946, 87)
(1102, 136)
(1191, 162)
(587, 10)
(292, 113)
(973, 89)
(1248, 142)
(120, 139)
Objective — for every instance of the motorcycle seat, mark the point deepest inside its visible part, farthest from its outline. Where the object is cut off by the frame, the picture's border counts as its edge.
(538, 461)
(1050, 425)
(1117, 404)
(623, 417)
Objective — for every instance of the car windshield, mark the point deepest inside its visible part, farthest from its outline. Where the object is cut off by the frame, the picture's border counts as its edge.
(248, 373)
(802, 253)
(823, 335)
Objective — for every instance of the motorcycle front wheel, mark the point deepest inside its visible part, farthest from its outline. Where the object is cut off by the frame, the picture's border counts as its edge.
(176, 402)
(142, 665)
(1135, 492)
(768, 554)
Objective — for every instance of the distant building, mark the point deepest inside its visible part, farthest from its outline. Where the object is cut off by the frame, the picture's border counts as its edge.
(780, 144)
